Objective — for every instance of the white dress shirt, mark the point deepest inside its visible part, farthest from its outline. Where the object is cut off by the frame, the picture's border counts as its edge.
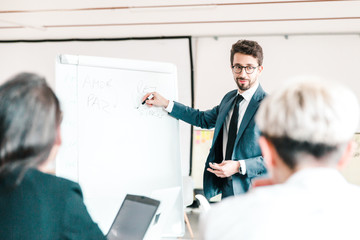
(315, 203)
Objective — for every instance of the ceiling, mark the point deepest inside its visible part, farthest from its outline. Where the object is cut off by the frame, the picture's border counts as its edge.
(43, 19)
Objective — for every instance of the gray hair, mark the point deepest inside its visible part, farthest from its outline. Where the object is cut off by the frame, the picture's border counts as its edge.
(311, 111)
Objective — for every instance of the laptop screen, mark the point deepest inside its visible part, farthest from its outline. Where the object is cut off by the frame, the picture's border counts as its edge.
(133, 218)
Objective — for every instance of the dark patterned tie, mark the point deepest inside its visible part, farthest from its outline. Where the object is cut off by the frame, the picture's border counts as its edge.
(233, 128)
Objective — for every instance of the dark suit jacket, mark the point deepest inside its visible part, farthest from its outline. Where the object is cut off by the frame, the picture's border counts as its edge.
(246, 144)
(43, 207)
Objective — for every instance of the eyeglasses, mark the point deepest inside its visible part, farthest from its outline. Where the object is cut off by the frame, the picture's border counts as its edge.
(248, 69)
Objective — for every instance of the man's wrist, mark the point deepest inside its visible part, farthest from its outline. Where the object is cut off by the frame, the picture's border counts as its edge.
(242, 167)
(169, 106)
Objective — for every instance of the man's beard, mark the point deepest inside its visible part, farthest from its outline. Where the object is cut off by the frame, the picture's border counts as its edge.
(243, 86)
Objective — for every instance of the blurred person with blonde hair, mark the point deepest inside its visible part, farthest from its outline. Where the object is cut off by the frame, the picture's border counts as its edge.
(307, 129)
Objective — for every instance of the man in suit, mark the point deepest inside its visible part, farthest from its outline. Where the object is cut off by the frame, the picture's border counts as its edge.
(235, 157)
(307, 130)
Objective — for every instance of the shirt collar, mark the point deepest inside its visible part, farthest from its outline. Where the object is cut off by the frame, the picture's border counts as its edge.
(248, 94)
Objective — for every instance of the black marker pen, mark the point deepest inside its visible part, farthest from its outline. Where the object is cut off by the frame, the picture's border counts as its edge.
(148, 98)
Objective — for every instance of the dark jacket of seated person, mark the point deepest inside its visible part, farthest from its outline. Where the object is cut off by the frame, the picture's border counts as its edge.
(44, 206)
(35, 205)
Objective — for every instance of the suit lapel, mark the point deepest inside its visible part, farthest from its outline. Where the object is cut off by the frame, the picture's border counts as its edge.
(222, 116)
(250, 111)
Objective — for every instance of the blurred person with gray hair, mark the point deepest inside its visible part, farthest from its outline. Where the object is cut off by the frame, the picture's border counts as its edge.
(307, 133)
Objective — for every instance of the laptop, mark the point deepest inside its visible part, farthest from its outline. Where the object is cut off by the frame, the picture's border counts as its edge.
(133, 219)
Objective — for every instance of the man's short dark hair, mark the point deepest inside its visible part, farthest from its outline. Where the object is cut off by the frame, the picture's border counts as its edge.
(247, 47)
